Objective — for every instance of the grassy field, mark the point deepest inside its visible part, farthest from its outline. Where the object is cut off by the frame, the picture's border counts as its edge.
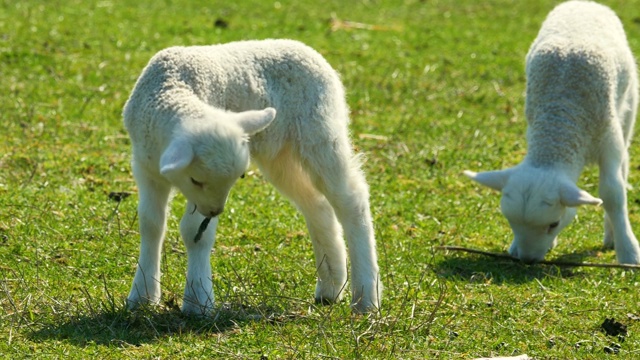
(435, 87)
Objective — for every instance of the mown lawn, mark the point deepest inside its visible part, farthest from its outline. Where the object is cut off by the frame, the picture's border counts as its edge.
(435, 87)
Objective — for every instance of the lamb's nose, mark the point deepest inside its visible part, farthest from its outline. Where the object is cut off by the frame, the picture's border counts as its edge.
(215, 212)
(528, 260)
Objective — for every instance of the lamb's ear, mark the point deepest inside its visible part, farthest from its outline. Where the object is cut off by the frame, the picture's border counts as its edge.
(176, 157)
(254, 121)
(573, 196)
(493, 179)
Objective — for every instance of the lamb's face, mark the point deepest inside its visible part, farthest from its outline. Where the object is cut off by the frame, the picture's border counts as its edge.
(217, 165)
(208, 155)
(537, 202)
(534, 209)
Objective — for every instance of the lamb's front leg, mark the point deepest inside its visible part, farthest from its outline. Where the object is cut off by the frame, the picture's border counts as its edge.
(198, 291)
(614, 197)
(152, 208)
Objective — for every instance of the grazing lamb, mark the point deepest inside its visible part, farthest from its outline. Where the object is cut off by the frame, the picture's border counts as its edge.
(581, 103)
(196, 116)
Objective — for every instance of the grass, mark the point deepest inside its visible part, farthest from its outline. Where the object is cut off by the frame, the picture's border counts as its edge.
(435, 87)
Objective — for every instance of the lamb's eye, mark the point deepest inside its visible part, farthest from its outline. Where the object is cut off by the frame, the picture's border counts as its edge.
(554, 225)
(196, 183)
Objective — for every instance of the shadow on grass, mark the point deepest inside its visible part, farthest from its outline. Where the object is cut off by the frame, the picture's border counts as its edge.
(478, 268)
(116, 325)
(583, 255)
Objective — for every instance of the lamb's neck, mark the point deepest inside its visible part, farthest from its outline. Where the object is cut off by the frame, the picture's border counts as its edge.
(183, 111)
(557, 143)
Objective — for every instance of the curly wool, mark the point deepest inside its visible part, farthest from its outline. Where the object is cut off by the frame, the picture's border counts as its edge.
(194, 116)
(581, 86)
(581, 103)
(240, 76)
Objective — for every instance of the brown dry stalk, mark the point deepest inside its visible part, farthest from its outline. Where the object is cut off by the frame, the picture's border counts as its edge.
(545, 262)
(337, 24)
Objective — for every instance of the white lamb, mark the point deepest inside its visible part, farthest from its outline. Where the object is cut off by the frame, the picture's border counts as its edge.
(195, 117)
(581, 103)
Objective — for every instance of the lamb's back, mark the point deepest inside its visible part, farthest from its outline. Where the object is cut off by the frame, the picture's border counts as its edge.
(247, 75)
(243, 75)
(578, 69)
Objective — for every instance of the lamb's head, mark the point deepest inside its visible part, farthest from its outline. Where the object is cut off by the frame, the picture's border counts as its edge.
(205, 159)
(538, 203)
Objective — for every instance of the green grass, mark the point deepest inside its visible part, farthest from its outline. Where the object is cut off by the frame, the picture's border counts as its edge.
(440, 86)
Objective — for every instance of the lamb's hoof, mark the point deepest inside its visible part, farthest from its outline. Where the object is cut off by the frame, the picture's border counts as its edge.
(362, 307)
(608, 244)
(629, 262)
(327, 295)
(629, 259)
(325, 301)
(361, 304)
(193, 309)
(133, 305)
(628, 252)
(134, 302)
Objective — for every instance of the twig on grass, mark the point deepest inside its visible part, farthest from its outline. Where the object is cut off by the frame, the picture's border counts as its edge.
(201, 229)
(338, 24)
(544, 262)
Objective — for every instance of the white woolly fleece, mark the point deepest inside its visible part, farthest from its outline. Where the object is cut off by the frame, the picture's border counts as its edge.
(581, 103)
(581, 87)
(194, 116)
(181, 82)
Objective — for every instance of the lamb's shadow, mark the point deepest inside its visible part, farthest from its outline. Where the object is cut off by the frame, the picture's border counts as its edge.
(474, 267)
(582, 255)
(121, 327)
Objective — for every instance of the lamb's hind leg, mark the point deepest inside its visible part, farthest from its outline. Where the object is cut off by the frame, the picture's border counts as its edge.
(614, 197)
(338, 176)
(608, 226)
(286, 174)
(152, 207)
(608, 232)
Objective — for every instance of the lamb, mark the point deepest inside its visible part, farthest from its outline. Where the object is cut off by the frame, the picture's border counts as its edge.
(581, 104)
(196, 117)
